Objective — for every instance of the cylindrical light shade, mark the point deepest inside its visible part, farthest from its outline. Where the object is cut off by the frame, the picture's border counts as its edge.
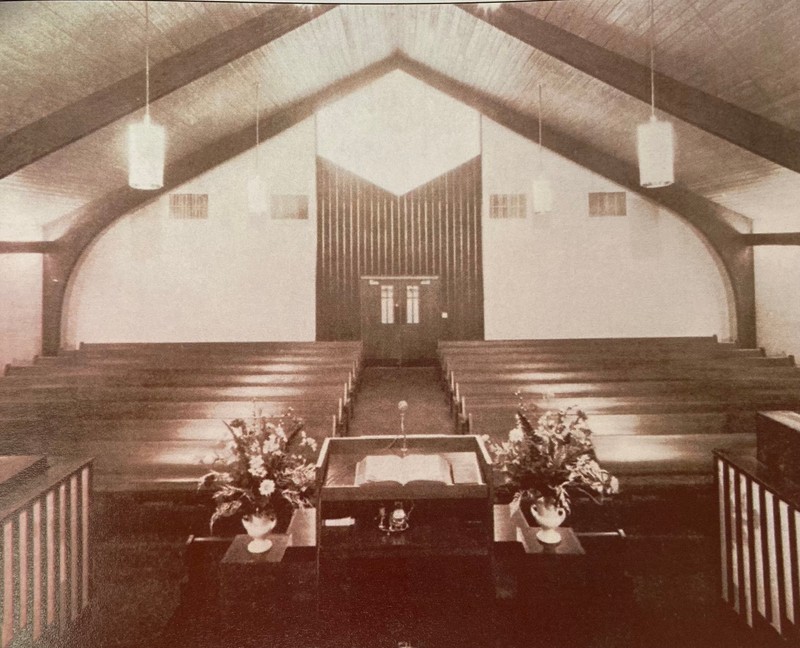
(542, 195)
(655, 143)
(146, 150)
(257, 199)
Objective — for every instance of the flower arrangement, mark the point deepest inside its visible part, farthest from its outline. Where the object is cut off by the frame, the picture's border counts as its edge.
(545, 458)
(266, 465)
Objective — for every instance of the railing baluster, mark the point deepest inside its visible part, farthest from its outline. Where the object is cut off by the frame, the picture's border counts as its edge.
(732, 481)
(85, 536)
(62, 555)
(772, 560)
(37, 569)
(725, 571)
(786, 554)
(758, 549)
(24, 574)
(73, 546)
(8, 582)
(50, 548)
(744, 516)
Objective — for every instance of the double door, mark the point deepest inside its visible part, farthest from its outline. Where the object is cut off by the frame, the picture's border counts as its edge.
(400, 318)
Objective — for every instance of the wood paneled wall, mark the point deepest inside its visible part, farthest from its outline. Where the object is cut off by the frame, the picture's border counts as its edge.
(432, 230)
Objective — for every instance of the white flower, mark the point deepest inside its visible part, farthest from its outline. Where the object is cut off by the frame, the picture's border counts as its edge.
(271, 443)
(257, 466)
(308, 441)
(267, 487)
(516, 435)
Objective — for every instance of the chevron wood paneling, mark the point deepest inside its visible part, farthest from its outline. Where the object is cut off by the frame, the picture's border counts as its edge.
(432, 230)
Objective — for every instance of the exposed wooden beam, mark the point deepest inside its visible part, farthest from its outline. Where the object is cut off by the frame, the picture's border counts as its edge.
(26, 247)
(750, 131)
(69, 124)
(93, 218)
(772, 238)
(709, 218)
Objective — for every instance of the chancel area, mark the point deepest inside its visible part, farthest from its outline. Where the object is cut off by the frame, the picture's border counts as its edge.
(415, 325)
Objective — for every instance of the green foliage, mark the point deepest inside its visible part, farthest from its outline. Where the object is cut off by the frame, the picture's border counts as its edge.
(549, 452)
(265, 462)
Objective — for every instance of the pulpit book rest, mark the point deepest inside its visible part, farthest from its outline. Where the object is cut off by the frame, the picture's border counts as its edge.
(447, 516)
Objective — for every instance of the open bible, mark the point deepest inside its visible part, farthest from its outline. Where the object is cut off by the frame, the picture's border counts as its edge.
(388, 469)
(431, 468)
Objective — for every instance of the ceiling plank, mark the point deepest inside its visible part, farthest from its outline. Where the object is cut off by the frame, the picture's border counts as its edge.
(772, 238)
(750, 131)
(709, 218)
(64, 126)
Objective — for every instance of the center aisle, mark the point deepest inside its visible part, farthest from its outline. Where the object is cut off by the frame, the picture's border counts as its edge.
(382, 388)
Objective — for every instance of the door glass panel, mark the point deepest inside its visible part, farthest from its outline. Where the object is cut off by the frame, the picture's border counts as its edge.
(387, 304)
(412, 304)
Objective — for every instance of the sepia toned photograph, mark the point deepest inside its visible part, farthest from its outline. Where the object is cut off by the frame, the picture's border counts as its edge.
(399, 325)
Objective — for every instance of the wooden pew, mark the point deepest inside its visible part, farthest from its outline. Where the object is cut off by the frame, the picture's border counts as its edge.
(152, 413)
(657, 406)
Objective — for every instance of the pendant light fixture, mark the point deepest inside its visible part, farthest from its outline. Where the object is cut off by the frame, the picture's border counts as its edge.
(256, 185)
(146, 140)
(542, 192)
(655, 140)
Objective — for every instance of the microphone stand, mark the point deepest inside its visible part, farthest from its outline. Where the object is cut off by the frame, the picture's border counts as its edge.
(404, 449)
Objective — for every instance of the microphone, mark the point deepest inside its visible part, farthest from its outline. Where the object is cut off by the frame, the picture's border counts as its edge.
(402, 406)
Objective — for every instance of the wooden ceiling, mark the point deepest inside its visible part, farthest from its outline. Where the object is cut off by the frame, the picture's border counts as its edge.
(55, 54)
(743, 52)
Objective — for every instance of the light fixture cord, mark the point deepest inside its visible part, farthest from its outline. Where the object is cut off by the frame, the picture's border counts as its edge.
(147, 60)
(652, 62)
(540, 126)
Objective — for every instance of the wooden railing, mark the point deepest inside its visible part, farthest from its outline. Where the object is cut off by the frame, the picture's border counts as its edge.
(45, 556)
(759, 528)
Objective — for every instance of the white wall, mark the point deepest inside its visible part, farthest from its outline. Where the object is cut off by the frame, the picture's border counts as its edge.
(569, 275)
(20, 307)
(778, 299)
(233, 277)
(777, 271)
(427, 132)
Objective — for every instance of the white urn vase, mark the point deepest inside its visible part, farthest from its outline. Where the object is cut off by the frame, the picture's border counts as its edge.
(548, 516)
(258, 527)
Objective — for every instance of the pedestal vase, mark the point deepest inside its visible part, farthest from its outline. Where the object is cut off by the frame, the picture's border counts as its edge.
(549, 516)
(258, 527)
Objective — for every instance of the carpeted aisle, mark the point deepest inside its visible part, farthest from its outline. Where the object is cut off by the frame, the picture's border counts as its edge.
(382, 388)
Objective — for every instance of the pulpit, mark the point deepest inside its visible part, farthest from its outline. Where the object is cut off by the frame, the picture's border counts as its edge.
(447, 517)
(446, 532)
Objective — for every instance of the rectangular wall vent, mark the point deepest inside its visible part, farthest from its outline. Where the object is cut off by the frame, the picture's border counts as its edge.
(608, 203)
(508, 205)
(188, 206)
(289, 206)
